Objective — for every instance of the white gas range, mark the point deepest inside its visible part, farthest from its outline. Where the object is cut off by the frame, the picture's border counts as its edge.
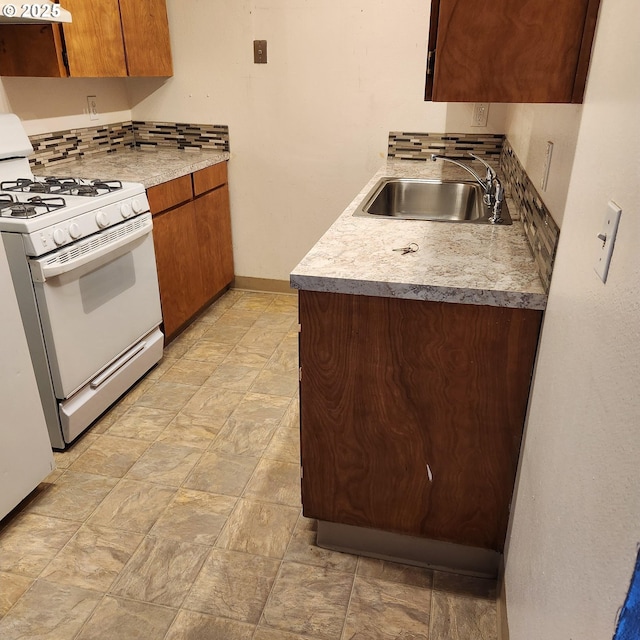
(83, 268)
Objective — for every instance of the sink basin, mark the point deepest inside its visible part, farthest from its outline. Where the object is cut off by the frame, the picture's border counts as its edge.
(440, 200)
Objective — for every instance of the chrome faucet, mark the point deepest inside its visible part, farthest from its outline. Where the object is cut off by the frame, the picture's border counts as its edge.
(491, 185)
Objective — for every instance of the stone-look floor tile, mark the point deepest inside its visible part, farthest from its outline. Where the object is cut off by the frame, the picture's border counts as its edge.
(135, 393)
(193, 372)
(64, 459)
(308, 600)
(284, 360)
(12, 588)
(141, 423)
(93, 558)
(303, 549)
(275, 481)
(119, 619)
(215, 405)
(395, 572)
(190, 431)
(455, 617)
(133, 506)
(235, 377)
(73, 496)
(259, 528)
(254, 301)
(306, 524)
(110, 456)
(221, 473)
(247, 356)
(381, 610)
(169, 396)
(176, 348)
(207, 350)
(284, 446)
(190, 625)
(196, 516)
(161, 571)
(225, 332)
(460, 585)
(284, 302)
(244, 437)
(160, 369)
(276, 320)
(194, 331)
(239, 317)
(50, 611)
(164, 463)
(233, 585)
(30, 541)
(259, 407)
(265, 633)
(264, 341)
(291, 418)
(274, 383)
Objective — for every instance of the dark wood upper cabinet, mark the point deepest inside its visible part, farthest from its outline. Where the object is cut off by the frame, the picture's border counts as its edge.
(107, 38)
(508, 51)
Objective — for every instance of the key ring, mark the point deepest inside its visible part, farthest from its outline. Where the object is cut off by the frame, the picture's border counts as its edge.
(412, 247)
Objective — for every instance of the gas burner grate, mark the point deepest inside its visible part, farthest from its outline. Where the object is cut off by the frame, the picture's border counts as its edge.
(30, 208)
(66, 186)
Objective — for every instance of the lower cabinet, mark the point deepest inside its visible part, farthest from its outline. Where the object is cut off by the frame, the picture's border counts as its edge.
(412, 413)
(192, 239)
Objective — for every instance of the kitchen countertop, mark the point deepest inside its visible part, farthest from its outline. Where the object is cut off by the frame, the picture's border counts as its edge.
(148, 166)
(456, 262)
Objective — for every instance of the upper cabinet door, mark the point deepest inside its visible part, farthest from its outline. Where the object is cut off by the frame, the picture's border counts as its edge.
(510, 51)
(146, 37)
(93, 40)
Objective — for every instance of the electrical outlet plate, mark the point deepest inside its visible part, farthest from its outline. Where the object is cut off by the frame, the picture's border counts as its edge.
(92, 106)
(480, 114)
(606, 239)
(547, 164)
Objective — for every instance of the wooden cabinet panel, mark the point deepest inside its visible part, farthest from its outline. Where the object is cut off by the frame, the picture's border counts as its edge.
(175, 235)
(169, 194)
(209, 178)
(216, 252)
(93, 40)
(146, 37)
(412, 413)
(504, 51)
(31, 50)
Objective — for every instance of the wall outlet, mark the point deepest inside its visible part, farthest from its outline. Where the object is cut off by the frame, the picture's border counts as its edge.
(480, 114)
(547, 164)
(92, 105)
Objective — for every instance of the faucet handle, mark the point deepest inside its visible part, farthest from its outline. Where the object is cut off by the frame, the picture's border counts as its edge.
(491, 174)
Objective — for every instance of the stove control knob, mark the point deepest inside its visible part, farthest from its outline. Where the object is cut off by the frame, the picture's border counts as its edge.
(137, 206)
(74, 230)
(126, 210)
(59, 236)
(102, 219)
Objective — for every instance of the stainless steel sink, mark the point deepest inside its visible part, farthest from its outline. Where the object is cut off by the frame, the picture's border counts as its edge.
(440, 200)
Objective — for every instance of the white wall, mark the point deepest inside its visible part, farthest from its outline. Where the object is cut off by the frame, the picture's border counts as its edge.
(575, 527)
(310, 127)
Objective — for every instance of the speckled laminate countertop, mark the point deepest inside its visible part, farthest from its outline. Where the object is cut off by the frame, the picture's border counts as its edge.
(456, 262)
(148, 166)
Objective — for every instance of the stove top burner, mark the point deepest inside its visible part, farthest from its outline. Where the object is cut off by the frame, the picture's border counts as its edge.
(62, 186)
(11, 207)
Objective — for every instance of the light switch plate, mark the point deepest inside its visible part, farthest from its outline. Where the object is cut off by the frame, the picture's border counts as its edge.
(606, 239)
(260, 51)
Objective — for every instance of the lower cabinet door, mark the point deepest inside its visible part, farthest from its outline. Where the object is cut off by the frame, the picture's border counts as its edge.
(176, 240)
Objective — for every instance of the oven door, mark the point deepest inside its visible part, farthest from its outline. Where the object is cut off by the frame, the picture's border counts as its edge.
(96, 298)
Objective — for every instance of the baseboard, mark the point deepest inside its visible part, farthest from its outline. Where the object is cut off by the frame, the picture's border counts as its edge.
(262, 284)
(503, 622)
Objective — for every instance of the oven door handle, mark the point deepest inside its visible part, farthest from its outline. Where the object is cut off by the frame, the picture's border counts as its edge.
(40, 272)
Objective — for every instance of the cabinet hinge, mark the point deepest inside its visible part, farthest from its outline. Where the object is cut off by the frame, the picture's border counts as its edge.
(431, 61)
(299, 328)
(300, 374)
(65, 59)
(301, 472)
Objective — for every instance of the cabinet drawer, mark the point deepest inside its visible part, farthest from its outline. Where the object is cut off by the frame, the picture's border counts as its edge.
(169, 194)
(209, 178)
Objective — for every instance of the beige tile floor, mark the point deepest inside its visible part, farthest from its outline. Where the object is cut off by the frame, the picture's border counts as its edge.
(177, 516)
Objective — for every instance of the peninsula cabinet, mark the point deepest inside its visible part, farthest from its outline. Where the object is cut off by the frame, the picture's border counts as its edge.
(192, 240)
(412, 413)
(107, 38)
(506, 51)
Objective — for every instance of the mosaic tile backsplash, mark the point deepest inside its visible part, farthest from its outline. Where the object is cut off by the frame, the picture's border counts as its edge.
(73, 144)
(541, 230)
